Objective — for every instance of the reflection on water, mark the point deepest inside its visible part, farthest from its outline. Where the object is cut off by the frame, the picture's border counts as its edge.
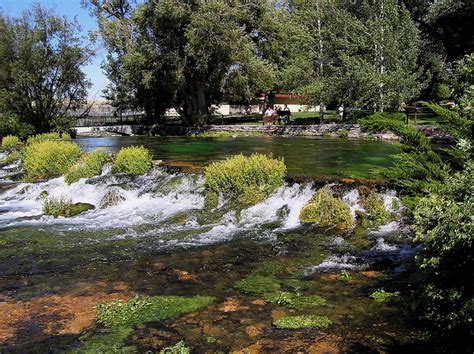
(303, 156)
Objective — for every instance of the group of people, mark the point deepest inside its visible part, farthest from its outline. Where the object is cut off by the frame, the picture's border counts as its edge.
(281, 114)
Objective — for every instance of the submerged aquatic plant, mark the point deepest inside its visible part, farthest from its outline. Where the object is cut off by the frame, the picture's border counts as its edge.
(295, 300)
(258, 284)
(133, 160)
(303, 321)
(249, 179)
(89, 165)
(178, 348)
(327, 210)
(143, 309)
(345, 275)
(380, 295)
(49, 158)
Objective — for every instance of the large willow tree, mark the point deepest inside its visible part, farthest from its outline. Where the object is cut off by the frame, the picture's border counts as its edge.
(185, 54)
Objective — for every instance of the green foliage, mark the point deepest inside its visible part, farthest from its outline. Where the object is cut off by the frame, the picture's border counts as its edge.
(444, 224)
(345, 276)
(304, 321)
(142, 309)
(12, 157)
(133, 160)
(10, 142)
(374, 205)
(211, 201)
(89, 165)
(11, 124)
(257, 284)
(47, 137)
(380, 295)
(41, 61)
(63, 207)
(49, 158)
(295, 300)
(343, 133)
(249, 179)
(178, 348)
(160, 55)
(327, 210)
(419, 167)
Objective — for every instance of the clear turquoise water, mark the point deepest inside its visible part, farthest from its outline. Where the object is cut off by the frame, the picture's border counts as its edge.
(303, 156)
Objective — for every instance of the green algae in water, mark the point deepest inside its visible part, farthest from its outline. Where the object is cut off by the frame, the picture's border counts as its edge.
(295, 301)
(178, 348)
(119, 318)
(304, 156)
(303, 321)
(257, 284)
(142, 309)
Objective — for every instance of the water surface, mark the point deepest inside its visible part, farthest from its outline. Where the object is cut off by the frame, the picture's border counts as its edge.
(307, 156)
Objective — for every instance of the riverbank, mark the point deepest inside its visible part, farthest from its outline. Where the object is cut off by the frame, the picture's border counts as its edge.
(352, 131)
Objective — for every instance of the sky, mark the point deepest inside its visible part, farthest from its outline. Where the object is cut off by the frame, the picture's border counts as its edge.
(70, 9)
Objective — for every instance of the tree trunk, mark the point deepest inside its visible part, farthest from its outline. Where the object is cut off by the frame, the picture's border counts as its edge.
(321, 65)
(382, 57)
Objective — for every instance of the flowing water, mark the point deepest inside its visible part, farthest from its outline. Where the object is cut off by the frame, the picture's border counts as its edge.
(151, 235)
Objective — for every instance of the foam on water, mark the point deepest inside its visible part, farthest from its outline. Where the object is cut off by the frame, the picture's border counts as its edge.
(332, 263)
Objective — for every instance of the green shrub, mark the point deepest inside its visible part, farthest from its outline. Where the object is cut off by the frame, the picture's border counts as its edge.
(249, 179)
(374, 205)
(257, 284)
(419, 167)
(327, 210)
(12, 157)
(63, 207)
(11, 124)
(89, 165)
(142, 309)
(444, 224)
(133, 160)
(47, 137)
(380, 295)
(304, 321)
(49, 158)
(211, 201)
(343, 133)
(10, 142)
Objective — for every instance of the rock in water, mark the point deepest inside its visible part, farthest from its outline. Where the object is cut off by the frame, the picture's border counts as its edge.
(75, 209)
(111, 198)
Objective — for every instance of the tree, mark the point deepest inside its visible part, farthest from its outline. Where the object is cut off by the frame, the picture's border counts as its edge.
(393, 48)
(187, 55)
(41, 57)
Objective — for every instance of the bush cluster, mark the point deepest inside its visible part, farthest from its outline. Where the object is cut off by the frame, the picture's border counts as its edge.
(89, 165)
(10, 142)
(49, 158)
(374, 205)
(133, 160)
(47, 137)
(64, 207)
(249, 179)
(327, 210)
(444, 223)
